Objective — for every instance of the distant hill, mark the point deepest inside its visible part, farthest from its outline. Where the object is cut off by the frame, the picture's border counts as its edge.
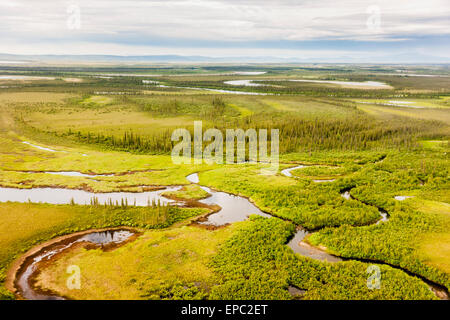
(393, 58)
(149, 58)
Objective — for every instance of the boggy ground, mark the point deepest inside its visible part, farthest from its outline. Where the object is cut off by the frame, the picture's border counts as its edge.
(375, 151)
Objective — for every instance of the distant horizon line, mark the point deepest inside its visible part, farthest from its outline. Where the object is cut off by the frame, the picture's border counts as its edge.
(7, 58)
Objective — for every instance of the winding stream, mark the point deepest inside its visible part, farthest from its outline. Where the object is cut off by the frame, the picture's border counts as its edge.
(287, 172)
(24, 276)
(232, 209)
(345, 193)
(298, 245)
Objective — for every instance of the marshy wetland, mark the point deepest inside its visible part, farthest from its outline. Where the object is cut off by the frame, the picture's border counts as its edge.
(87, 180)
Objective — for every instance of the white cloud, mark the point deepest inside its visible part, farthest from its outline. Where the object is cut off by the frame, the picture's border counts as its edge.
(126, 21)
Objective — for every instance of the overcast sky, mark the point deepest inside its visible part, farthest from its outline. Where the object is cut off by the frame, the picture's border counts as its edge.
(284, 28)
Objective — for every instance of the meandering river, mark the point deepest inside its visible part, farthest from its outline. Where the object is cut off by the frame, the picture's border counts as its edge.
(233, 208)
(298, 245)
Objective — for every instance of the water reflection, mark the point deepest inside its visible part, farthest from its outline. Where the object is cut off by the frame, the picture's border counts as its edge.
(67, 196)
(98, 238)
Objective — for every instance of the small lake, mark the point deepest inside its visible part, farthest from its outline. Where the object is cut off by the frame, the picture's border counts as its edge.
(247, 83)
(14, 77)
(75, 174)
(394, 103)
(22, 282)
(249, 73)
(403, 104)
(218, 90)
(374, 84)
(365, 84)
